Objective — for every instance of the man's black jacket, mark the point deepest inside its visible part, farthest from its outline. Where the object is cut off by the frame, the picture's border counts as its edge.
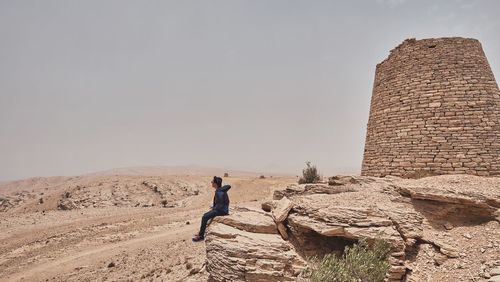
(221, 200)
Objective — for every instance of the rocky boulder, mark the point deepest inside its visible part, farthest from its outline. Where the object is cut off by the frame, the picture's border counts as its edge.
(246, 246)
(342, 180)
(249, 220)
(66, 204)
(5, 204)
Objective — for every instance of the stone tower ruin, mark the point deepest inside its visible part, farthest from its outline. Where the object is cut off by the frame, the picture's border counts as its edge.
(435, 108)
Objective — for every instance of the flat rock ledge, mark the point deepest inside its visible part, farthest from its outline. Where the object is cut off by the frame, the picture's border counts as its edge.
(315, 219)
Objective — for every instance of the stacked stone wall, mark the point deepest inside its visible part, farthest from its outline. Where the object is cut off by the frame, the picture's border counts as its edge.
(435, 108)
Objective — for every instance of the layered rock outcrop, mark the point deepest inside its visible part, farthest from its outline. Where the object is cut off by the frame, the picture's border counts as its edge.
(316, 219)
(246, 246)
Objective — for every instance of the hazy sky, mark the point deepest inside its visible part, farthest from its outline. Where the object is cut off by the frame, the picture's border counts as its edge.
(254, 85)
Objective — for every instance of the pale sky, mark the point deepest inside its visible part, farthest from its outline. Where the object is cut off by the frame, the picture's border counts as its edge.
(252, 85)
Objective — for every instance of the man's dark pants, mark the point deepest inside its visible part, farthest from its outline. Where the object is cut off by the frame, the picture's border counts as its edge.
(206, 217)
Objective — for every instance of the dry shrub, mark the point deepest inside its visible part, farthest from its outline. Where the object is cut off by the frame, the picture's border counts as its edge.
(360, 263)
(309, 174)
(164, 203)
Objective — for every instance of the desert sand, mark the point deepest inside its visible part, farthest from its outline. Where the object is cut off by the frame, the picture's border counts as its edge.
(120, 225)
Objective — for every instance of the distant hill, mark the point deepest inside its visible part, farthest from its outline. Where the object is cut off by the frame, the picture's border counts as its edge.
(180, 170)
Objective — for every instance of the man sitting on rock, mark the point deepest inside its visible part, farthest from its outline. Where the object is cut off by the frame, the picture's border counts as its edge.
(220, 206)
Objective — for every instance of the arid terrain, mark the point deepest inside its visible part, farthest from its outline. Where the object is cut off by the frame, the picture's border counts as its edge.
(137, 224)
(121, 225)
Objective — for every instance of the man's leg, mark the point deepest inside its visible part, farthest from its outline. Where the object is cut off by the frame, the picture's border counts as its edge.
(204, 220)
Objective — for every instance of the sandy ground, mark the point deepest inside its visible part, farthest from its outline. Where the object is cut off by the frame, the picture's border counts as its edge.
(110, 238)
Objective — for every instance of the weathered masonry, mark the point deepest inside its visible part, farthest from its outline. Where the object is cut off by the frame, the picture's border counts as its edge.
(435, 107)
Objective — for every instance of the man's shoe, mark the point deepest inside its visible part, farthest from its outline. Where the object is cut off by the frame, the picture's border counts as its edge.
(198, 238)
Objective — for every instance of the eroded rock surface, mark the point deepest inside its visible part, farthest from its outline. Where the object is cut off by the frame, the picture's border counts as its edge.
(249, 220)
(437, 216)
(238, 253)
(281, 209)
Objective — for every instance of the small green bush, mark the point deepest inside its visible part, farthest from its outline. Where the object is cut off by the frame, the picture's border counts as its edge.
(309, 174)
(360, 263)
